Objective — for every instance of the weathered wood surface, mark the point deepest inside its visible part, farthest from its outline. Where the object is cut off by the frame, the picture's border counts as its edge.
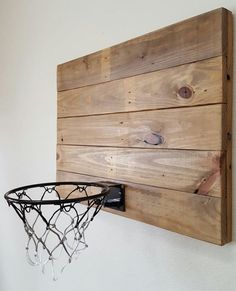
(181, 128)
(194, 39)
(160, 89)
(189, 214)
(181, 170)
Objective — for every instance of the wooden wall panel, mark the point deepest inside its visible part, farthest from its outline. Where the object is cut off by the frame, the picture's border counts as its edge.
(160, 89)
(194, 215)
(155, 114)
(179, 128)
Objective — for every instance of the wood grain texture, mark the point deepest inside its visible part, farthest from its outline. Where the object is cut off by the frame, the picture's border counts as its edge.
(154, 90)
(181, 170)
(181, 128)
(195, 39)
(189, 214)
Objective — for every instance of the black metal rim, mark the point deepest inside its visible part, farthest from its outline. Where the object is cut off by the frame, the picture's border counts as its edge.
(104, 192)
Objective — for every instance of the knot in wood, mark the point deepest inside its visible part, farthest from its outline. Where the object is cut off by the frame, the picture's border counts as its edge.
(185, 92)
(154, 139)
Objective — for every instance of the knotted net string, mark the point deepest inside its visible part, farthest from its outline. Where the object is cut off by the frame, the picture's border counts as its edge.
(69, 240)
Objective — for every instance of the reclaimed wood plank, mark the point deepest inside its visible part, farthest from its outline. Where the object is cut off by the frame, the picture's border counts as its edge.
(189, 214)
(194, 39)
(160, 89)
(180, 128)
(182, 170)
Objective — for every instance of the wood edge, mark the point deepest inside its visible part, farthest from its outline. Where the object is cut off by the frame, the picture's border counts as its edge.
(57, 70)
(227, 85)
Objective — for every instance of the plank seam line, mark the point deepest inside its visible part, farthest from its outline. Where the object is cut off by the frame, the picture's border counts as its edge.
(143, 110)
(138, 148)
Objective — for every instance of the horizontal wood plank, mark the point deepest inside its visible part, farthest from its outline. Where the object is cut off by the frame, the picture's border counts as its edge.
(160, 89)
(188, 41)
(181, 128)
(189, 214)
(182, 170)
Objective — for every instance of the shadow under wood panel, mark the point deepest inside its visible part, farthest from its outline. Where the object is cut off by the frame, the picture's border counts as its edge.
(181, 128)
(189, 214)
(160, 89)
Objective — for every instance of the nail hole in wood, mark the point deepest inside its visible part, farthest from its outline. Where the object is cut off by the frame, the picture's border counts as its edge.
(228, 77)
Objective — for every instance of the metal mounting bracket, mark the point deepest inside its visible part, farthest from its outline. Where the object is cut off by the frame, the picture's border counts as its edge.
(115, 199)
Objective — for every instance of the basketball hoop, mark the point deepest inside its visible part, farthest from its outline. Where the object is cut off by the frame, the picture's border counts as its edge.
(55, 217)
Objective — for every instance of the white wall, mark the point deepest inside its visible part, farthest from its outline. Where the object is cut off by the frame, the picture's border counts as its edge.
(123, 254)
